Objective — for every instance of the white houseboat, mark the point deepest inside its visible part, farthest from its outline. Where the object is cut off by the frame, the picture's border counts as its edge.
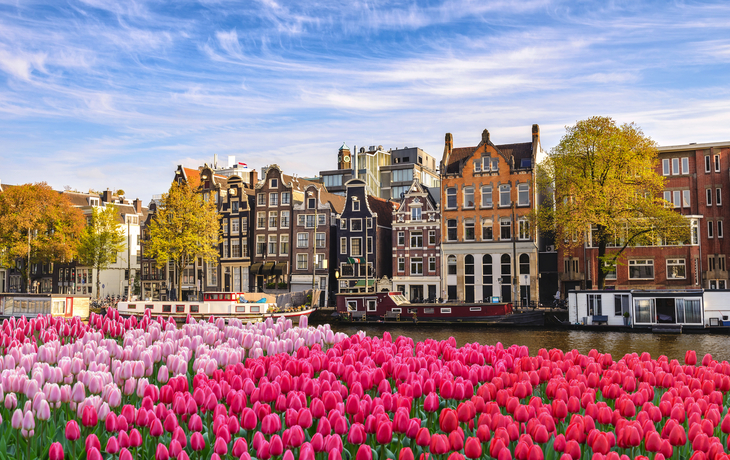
(243, 306)
(32, 305)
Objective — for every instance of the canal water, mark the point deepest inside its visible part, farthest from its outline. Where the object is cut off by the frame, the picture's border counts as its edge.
(618, 344)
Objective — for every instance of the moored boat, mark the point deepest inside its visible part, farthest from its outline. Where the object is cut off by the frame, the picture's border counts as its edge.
(244, 306)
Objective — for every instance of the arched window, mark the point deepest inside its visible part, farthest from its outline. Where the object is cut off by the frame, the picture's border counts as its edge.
(487, 278)
(524, 264)
(451, 262)
(469, 278)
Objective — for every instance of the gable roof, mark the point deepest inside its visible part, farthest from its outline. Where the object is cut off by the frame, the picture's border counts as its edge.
(460, 155)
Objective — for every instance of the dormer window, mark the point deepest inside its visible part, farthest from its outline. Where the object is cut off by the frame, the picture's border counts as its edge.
(93, 201)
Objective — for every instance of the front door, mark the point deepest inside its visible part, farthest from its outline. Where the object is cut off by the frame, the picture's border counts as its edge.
(416, 293)
(432, 292)
(525, 295)
(259, 284)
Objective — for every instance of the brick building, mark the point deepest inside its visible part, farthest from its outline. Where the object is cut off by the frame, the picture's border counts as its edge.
(487, 194)
(417, 244)
(696, 185)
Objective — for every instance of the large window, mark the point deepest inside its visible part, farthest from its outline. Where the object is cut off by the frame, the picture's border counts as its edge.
(356, 247)
(273, 219)
(432, 264)
(235, 248)
(641, 269)
(302, 240)
(284, 219)
(487, 278)
(285, 197)
(302, 262)
(332, 181)
(594, 305)
(487, 196)
(504, 195)
(283, 245)
(468, 197)
(451, 198)
(524, 229)
(416, 214)
(272, 244)
(469, 230)
(260, 245)
(451, 265)
(321, 239)
(234, 225)
(416, 266)
(261, 219)
(524, 264)
(505, 230)
(417, 239)
(451, 230)
(487, 230)
(261, 199)
(523, 194)
(356, 225)
(676, 269)
(273, 199)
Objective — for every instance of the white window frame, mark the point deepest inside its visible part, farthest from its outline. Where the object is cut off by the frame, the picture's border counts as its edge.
(665, 167)
(486, 190)
(274, 183)
(718, 196)
(343, 245)
(676, 263)
(284, 245)
(469, 191)
(431, 264)
(642, 263)
(523, 189)
(273, 199)
(352, 243)
(708, 193)
(401, 267)
(505, 190)
(675, 166)
(259, 220)
(415, 235)
(416, 214)
(285, 197)
(523, 229)
(414, 266)
(275, 216)
(717, 163)
(710, 229)
(677, 198)
(353, 221)
(708, 164)
(234, 226)
(261, 199)
(282, 221)
(401, 241)
(302, 262)
(685, 198)
(449, 194)
(432, 237)
(355, 205)
(685, 165)
(719, 229)
(303, 240)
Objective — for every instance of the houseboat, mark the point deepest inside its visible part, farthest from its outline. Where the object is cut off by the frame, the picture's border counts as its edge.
(244, 306)
(393, 306)
(655, 310)
(32, 305)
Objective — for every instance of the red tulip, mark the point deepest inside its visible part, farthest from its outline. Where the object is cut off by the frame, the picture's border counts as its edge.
(653, 442)
(483, 433)
(448, 420)
(406, 454)
(89, 416)
(678, 437)
(472, 448)
(220, 447)
(93, 454)
(161, 452)
(55, 452)
(384, 435)
(423, 437)
(92, 442)
(535, 453)
(135, 438)
(156, 429)
(73, 432)
(197, 442)
(572, 448)
(112, 446)
(364, 453)
(690, 358)
(356, 435)
(239, 447)
(439, 444)
(125, 454)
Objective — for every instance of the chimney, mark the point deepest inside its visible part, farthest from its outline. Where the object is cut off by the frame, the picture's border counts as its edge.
(449, 144)
(106, 196)
(485, 136)
(137, 205)
(254, 177)
(535, 139)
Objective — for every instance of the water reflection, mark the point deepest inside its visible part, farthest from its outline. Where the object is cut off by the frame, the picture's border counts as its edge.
(617, 343)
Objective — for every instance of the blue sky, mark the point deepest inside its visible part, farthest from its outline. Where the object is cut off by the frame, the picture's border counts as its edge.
(114, 93)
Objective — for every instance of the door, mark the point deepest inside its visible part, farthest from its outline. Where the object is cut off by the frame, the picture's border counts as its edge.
(259, 284)
(431, 292)
(416, 293)
(525, 295)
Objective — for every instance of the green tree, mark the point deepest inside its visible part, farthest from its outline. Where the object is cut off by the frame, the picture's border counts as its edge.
(184, 227)
(101, 241)
(37, 225)
(603, 184)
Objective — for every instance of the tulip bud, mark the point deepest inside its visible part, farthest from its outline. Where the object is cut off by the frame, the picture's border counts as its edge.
(55, 452)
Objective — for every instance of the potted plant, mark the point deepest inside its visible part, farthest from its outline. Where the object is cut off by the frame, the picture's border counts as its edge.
(626, 318)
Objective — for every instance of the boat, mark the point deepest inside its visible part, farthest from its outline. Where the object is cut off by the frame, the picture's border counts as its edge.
(247, 307)
(32, 305)
(393, 306)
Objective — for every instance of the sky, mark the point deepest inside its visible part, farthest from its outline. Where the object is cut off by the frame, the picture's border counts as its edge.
(98, 94)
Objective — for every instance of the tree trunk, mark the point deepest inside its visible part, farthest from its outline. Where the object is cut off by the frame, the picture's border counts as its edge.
(179, 283)
(601, 275)
(98, 282)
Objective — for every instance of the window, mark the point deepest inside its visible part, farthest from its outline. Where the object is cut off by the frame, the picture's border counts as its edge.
(620, 304)
(478, 165)
(432, 264)
(355, 205)
(284, 219)
(356, 225)
(523, 194)
(401, 238)
(468, 197)
(302, 262)
(721, 262)
(451, 265)
(310, 220)
(432, 237)
(302, 240)
(260, 200)
(718, 196)
(343, 224)
(707, 164)
(416, 266)
(685, 165)
(260, 245)
(273, 219)
(311, 203)
(524, 264)
(261, 219)
(710, 228)
(356, 247)
(685, 198)
(506, 268)
(234, 206)
(416, 239)
(451, 198)
(504, 197)
(469, 234)
(505, 227)
(609, 268)
(675, 166)
(708, 193)
(495, 164)
(273, 199)
(401, 264)
(415, 214)
(487, 232)
(273, 183)
(711, 263)
(301, 218)
(370, 244)
(321, 219)
(676, 269)
(343, 245)
(272, 244)
(369, 221)
(487, 196)
(665, 167)
(719, 229)
(235, 248)
(641, 269)
(285, 197)
(677, 198)
(451, 230)
(594, 305)
(717, 163)
(225, 249)
(320, 239)
(284, 245)
(524, 229)
(668, 197)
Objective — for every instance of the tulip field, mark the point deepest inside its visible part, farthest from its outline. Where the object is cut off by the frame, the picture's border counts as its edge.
(125, 389)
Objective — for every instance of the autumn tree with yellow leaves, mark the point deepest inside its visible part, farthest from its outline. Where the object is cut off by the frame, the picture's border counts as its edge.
(602, 184)
(184, 227)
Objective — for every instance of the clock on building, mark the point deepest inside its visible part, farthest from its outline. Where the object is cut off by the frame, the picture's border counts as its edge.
(347, 158)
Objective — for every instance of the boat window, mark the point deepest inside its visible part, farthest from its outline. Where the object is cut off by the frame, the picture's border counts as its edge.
(351, 305)
(131, 306)
(180, 308)
(372, 306)
(475, 308)
(194, 308)
(446, 310)
(166, 308)
(255, 309)
(395, 310)
(148, 307)
(412, 310)
(241, 308)
(428, 311)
